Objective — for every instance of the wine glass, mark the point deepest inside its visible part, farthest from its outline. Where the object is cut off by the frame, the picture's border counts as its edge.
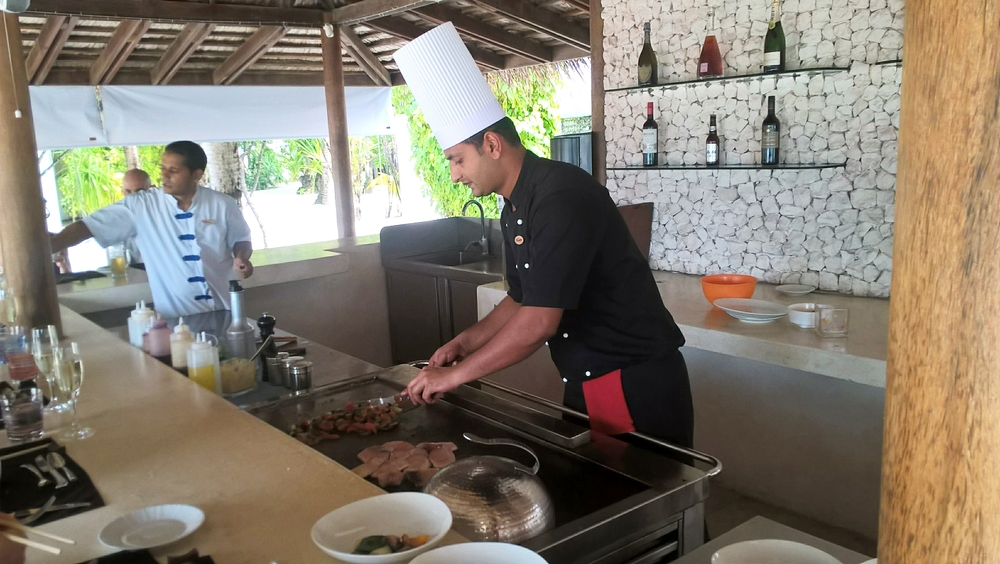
(44, 342)
(68, 369)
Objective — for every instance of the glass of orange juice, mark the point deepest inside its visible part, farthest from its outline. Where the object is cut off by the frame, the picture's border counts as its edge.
(117, 260)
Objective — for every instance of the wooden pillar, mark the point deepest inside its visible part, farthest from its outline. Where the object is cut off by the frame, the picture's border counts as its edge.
(600, 151)
(340, 149)
(941, 454)
(27, 256)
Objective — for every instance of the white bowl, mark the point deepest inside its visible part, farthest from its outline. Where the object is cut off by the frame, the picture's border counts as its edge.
(152, 526)
(409, 513)
(803, 315)
(480, 553)
(771, 551)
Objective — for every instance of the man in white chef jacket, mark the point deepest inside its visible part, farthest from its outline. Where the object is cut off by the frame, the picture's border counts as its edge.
(191, 237)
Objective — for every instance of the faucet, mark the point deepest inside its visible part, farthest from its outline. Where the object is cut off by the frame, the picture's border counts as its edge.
(484, 242)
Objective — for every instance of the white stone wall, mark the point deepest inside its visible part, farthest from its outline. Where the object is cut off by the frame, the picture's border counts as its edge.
(830, 227)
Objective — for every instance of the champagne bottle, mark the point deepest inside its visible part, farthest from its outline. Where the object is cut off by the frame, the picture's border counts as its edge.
(774, 41)
(769, 137)
(710, 62)
(712, 144)
(647, 61)
(650, 138)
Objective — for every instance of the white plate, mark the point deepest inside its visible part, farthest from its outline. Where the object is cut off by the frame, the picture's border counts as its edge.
(409, 513)
(771, 551)
(795, 289)
(480, 553)
(151, 527)
(752, 311)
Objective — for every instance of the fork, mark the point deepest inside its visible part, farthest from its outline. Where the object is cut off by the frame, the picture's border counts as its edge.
(38, 514)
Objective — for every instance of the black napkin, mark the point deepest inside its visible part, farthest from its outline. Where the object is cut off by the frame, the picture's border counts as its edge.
(19, 486)
(130, 557)
(77, 276)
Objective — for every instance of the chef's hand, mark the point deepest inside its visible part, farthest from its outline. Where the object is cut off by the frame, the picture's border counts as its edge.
(10, 552)
(448, 355)
(432, 383)
(243, 267)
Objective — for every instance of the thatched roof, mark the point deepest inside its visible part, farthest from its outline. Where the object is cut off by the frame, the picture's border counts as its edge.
(278, 41)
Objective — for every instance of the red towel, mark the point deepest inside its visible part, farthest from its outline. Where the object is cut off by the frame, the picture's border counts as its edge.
(606, 405)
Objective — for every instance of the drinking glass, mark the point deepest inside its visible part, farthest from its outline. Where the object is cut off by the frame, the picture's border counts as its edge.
(17, 355)
(44, 342)
(117, 260)
(69, 375)
(831, 321)
(22, 414)
(8, 306)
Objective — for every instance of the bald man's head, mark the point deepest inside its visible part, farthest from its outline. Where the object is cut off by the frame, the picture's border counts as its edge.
(134, 181)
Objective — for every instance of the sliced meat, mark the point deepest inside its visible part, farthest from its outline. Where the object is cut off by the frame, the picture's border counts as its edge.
(397, 445)
(368, 468)
(434, 446)
(441, 457)
(388, 479)
(394, 465)
(420, 478)
(374, 452)
(402, 453)
(418, 461)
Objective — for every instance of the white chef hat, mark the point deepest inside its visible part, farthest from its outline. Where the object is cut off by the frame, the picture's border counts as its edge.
(448, 85)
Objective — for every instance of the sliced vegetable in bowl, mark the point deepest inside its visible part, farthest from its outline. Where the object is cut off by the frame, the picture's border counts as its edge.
(389, 544)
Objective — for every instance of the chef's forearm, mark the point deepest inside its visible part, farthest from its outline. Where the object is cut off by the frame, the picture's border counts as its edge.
(475, 337)
(243, 250)
(523, 334)
(74, 234)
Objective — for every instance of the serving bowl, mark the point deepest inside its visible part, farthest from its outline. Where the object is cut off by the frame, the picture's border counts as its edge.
(480, 553)
(717, 286)
(410, 513)
(803, 315)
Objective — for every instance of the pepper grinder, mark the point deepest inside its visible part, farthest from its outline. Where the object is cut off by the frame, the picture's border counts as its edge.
(266, 323)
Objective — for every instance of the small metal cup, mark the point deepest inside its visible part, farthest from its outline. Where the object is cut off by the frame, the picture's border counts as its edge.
(285, 363)
(300, 376)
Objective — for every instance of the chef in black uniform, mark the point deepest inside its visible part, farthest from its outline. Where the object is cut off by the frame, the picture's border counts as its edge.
(578, 282)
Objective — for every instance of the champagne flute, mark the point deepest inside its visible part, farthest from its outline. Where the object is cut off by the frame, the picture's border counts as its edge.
(69, 370)
(42, 349)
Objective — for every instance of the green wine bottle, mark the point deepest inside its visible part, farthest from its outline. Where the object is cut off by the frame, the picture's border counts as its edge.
(647, 61)
(774, 41)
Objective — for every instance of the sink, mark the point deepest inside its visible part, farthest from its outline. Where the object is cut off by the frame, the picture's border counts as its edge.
(452, 258)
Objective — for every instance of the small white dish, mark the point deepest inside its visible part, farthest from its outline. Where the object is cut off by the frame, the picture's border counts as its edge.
(752, 311)
(795, 289)
(803, 315)
(152, 526)
(409, 513)
(480, 553)
(771, 551)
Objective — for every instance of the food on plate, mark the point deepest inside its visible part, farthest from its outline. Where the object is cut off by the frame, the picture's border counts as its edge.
(389, 544)
(389, 464)
(365, 420)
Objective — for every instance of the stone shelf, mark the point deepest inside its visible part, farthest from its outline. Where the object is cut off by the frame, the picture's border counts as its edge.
(782, 166)
(887, 63)
(793, 72)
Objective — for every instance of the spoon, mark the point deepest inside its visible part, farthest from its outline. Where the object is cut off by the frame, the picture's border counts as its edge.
(42, 480)
(59, 463)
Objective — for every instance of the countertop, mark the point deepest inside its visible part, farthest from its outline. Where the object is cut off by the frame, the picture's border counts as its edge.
(860, 357)
(271, 266)
(162, 439)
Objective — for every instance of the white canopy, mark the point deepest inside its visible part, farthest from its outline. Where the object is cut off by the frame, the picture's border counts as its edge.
(71, 116)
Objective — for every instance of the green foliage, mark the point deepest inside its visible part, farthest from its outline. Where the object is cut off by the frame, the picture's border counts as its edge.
(528, 98)
(263, 165)
(91, 178)
(303, 160)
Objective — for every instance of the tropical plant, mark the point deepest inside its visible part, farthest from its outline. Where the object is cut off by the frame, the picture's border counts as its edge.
(527, 95)
(303, 160)
(91, 178)
(263, 165)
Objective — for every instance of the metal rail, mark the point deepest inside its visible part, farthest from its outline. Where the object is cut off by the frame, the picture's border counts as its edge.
(697, 455)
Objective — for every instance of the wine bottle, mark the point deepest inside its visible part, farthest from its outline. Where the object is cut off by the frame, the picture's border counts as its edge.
(774, 41)
(770, 136)
(710, 62)
(647, 61)
(712, 144)
(650, 138)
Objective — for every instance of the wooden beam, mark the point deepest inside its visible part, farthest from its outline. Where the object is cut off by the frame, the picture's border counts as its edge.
(49, 43)
(125, 38)
(184, 46)
(179, 11)
(599, 149)
(409, 31)
(541, 20)
(373, 9)
(364, 57)
(487, 33)
(247, 54)
(138, 77)
(340, 148)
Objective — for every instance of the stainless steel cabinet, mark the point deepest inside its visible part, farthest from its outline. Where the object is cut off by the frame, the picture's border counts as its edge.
(414, 321)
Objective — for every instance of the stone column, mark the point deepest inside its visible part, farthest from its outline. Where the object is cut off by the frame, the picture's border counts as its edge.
(340, 149)
(941, 454)
(27, 256)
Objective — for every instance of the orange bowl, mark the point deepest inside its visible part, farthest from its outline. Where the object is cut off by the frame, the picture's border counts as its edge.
(728, 286)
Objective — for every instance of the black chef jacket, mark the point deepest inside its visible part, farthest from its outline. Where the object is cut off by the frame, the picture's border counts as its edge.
(568, 247)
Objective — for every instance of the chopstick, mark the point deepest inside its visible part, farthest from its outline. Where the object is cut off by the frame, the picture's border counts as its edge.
(25, 529)
(33, 544)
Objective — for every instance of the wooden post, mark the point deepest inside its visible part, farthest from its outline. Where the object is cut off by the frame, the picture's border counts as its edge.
(27, 256)
(600, 146)
(941, 454)
(340, 148)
